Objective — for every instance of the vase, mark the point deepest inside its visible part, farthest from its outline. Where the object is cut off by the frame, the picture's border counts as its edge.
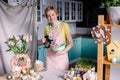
(20, 62)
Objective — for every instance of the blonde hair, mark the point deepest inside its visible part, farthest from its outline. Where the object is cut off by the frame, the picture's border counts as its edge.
(50, 8)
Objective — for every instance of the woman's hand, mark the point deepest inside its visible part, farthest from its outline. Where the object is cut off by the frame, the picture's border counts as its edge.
(60, 52)
(43, 40)
(53, 43)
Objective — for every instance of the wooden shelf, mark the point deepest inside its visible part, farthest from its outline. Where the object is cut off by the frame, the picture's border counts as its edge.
(102, 60)
(3, 77)
(105, 61)
(112, 25)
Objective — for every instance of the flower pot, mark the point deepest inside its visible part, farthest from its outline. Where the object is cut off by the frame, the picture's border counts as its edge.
(114, 14)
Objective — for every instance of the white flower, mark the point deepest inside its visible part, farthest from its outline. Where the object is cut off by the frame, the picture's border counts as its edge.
(11, 36)
(30, 37)
(38, 62)
(10, 43)
(17, 37)
(27, 37)
(16, 68)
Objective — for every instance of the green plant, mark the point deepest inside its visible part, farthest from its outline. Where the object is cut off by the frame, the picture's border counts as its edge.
(85, 63)
(18, 44)
(108, 3)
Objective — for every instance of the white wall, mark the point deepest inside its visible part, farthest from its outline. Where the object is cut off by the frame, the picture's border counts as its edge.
(115, 73)
(83, 30)
(41, 28)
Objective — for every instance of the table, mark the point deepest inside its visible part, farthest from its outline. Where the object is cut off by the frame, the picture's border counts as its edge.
(47, 75)
(51, 75)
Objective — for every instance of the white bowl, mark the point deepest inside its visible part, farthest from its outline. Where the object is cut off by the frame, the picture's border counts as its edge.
(59, 47)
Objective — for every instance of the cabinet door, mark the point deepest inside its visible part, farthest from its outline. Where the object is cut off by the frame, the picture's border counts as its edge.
(42, 53)
(89, 48)
(72, 51)
(70, 11)
(75, 51)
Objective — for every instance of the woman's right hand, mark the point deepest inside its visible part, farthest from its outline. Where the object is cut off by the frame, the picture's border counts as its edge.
(43, 40)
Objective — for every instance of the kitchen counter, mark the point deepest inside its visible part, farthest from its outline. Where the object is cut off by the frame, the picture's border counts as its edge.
(73, 36)
(80, 35)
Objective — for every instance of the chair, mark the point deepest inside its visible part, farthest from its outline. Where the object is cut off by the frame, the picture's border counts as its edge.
(101, 59)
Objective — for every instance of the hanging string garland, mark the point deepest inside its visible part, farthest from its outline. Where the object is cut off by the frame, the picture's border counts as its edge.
(31, 5)
(8, 7)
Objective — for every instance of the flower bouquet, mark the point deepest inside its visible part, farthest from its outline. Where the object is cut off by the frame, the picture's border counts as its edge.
(18, 45)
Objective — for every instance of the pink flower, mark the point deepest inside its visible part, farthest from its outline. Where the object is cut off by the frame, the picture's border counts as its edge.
(27, 37)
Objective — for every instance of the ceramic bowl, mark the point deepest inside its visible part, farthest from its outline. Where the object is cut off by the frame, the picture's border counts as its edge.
(59, 47)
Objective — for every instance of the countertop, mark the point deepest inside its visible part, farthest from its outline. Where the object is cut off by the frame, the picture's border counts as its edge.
(73, 36)
(80, 35)
(47, 75)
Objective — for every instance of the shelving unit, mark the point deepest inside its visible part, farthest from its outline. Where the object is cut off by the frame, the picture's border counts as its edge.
(101, 59)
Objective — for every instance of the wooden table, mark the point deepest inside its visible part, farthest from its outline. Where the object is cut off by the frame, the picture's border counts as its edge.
(47, 75)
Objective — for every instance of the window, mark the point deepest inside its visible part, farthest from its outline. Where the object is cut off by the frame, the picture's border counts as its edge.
(70, 11)
(39, 11)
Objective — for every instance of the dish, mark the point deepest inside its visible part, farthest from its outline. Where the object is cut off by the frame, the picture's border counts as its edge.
(59, 47)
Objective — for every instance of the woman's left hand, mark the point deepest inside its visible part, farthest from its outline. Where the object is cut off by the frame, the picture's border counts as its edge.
(60, 52)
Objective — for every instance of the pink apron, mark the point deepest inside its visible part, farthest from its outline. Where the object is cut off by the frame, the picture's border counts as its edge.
(53, 60)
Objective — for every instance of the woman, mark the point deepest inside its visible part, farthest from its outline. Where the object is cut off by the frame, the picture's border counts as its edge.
(60, 33)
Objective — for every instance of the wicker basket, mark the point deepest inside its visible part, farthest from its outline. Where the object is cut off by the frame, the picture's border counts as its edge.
(38, 66)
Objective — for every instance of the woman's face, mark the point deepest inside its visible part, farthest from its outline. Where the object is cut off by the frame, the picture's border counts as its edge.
(52, 16)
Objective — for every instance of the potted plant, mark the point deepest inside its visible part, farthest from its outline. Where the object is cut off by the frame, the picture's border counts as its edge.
(84, 64)
(113, 10)
(109, 3)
